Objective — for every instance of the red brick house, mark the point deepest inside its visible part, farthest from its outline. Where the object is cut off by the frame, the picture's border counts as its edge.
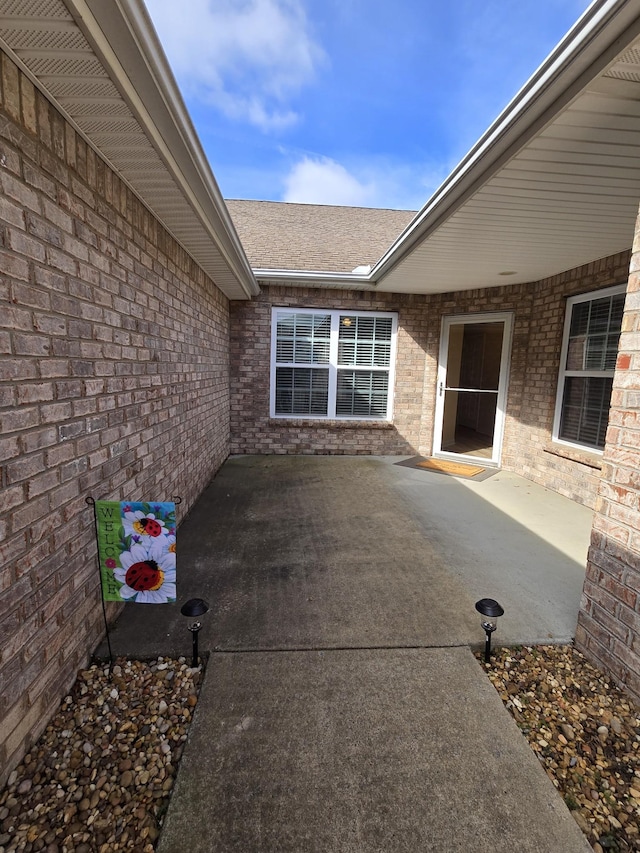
(148, 329)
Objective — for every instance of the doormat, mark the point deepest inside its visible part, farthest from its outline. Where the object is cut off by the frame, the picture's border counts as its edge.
(458, 469)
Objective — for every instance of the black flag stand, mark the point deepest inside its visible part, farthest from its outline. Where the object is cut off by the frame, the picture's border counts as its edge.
(92, 502)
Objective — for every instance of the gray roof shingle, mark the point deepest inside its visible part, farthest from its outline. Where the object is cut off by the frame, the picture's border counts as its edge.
(312, 237)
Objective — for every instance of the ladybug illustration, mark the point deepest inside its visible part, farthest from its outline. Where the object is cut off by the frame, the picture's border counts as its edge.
(144, 576)
(150, 527)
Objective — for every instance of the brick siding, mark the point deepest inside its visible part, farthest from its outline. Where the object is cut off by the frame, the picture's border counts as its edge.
(253, 431)
(539, 311)
(609, 622)
(114, 383)
(528, 449)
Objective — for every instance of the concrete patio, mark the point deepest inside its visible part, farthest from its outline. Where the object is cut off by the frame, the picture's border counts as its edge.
(299, 552)
(342, 709)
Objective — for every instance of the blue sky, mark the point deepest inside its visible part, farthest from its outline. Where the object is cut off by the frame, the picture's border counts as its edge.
(359, 102)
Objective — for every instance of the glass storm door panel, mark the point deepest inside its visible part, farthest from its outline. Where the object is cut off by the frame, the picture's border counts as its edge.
(472, 378)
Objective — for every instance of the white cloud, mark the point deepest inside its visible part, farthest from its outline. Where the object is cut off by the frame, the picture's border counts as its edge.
(245, 57)
(321, 180)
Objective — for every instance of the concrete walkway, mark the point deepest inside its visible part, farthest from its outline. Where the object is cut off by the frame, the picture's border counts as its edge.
(342, 711)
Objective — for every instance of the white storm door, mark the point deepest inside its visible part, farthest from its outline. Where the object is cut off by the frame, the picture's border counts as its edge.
(473, 372)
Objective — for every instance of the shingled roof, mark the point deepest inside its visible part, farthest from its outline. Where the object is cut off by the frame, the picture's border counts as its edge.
(313, 237)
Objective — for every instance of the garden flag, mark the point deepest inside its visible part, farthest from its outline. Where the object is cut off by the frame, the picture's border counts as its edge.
(137, 551)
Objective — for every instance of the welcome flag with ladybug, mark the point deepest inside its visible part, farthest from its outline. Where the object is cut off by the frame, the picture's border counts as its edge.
(137, 551)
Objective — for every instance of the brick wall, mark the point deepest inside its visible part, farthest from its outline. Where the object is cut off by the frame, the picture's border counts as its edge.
(528, 448)
(538, 310)
(253, 431)
(609, 621)
(113, 383)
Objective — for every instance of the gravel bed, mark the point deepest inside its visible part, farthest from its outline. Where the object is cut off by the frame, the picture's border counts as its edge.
(100, 777)
(585, 732)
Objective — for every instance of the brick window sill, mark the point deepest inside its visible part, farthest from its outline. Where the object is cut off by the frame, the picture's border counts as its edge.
(583, 457)
(313, 423)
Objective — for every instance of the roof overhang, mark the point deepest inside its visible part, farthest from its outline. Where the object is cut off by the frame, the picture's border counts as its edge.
(555, 181)
(102, 66)
(553, 184)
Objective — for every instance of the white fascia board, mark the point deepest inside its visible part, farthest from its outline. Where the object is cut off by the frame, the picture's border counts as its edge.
(605, 29)
(315, 278)
(122, 35)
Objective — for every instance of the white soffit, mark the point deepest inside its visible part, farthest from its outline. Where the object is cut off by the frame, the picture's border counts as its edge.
(101, 64)
(563, 196)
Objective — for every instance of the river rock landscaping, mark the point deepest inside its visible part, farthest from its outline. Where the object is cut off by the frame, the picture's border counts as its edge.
(586, 733)
(100, 777)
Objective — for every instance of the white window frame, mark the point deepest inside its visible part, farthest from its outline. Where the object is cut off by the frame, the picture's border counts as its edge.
(333, 366)
(564, 372)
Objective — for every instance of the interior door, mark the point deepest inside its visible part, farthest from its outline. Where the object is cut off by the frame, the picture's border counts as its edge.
(472, 386)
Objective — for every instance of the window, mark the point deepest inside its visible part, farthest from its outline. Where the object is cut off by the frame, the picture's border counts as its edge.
(332, 364)
(588, 360)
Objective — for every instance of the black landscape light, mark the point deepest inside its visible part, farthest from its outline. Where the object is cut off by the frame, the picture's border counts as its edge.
(194, 607)
(489, 610)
